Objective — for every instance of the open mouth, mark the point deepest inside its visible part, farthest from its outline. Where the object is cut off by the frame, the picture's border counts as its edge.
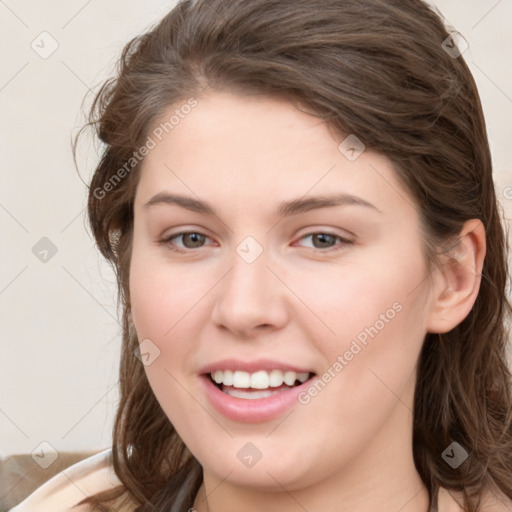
(257, 385)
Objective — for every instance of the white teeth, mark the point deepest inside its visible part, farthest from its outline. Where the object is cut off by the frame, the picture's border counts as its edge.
(241, 380)
(289, 378)
(228, 378)
(275, 378)
(258, 380)
(250, 395)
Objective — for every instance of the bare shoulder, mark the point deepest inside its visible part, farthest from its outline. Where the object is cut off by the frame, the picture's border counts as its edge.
(492, 501)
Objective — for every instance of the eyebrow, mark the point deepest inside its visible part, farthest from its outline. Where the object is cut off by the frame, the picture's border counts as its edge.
(285, 209)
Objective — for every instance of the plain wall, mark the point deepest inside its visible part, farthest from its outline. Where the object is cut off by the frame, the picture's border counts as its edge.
(59, 333)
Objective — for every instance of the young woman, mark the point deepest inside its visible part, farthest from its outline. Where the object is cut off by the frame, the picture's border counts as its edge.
(297, 198)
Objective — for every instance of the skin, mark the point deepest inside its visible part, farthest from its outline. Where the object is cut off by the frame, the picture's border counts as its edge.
(300, 301)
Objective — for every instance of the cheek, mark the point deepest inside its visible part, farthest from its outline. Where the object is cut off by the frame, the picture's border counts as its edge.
(161, 295)
(168, 309)
(361, 297)
(163, 312)
(371, 339)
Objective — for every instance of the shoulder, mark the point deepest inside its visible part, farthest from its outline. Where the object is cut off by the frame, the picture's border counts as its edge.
(62, 492)
(492, 501)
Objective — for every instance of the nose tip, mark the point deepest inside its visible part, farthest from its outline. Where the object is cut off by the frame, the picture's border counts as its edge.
(249, 298)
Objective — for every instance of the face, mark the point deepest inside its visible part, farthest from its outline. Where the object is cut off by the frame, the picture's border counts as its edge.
(250, 275)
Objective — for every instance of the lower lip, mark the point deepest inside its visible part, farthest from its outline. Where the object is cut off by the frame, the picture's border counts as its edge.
(252, 411)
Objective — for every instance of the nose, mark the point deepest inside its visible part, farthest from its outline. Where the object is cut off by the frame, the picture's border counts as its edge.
(250, 298)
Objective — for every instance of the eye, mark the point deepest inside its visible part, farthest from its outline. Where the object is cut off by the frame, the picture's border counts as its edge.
(322, 240)
(194, 240)
(190, 240)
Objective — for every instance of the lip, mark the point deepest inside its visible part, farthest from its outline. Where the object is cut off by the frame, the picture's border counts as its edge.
(252, 411)
(252, 366)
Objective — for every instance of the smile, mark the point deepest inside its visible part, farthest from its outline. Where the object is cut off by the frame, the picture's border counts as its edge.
(251, 397)
(260, 384)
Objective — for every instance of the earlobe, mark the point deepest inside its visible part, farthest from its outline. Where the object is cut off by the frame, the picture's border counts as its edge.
(457, 279)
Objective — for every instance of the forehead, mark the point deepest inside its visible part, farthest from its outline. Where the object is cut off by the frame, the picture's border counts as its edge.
(241, 149)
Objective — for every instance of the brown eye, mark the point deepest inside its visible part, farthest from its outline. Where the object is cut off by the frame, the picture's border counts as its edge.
(195, 240)
(190, 240)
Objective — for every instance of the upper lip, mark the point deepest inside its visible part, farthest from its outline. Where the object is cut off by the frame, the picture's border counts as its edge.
(252, 366)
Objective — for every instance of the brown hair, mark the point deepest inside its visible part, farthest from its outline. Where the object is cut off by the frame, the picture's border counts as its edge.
(374, 68)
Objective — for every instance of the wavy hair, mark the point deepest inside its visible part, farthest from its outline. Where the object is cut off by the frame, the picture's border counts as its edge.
(379, 69)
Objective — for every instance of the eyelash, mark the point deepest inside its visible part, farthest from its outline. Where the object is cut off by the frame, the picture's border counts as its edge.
(172, 247)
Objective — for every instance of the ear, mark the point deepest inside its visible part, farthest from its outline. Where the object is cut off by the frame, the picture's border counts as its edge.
(457, 280)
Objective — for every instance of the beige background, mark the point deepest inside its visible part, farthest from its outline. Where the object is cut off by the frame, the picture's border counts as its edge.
(59, 333)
